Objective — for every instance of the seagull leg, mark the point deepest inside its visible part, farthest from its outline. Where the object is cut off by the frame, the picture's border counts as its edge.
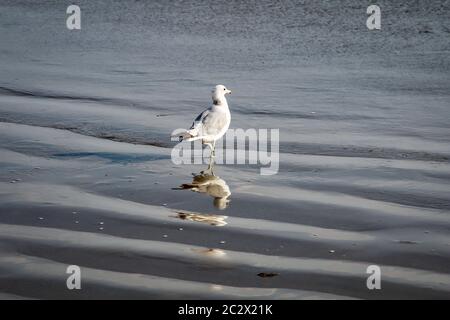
(211, 166)
(214, 149)
(211, 161)
(213, 157)
(211, 148)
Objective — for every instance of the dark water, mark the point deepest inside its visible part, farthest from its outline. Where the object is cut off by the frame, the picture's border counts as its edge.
(364, 148)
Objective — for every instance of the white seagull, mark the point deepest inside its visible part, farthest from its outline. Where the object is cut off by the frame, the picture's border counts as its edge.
(211, 124)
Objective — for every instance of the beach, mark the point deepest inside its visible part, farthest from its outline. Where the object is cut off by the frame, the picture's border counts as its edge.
(87, 177)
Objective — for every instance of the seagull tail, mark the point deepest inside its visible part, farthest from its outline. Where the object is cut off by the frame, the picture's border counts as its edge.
(188, 136)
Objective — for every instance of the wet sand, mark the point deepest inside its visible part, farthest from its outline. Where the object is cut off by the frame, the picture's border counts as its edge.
(86, 173)
(126, 225)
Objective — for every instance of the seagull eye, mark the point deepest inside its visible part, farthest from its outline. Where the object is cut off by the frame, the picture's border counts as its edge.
(224, 89)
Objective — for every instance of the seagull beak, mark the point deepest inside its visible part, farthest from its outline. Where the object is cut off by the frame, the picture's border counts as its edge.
(229, 91)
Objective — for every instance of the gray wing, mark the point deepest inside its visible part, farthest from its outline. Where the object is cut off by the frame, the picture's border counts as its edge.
(200, 119)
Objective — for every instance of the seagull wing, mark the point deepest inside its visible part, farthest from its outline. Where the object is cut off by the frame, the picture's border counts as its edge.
(201, 118)
(196, 130)
(208, 124)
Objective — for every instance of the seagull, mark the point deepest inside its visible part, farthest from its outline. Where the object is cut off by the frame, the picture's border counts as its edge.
(211, 124)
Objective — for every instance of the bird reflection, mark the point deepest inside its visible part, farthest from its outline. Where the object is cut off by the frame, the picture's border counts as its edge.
(207, 182)
(211, 219)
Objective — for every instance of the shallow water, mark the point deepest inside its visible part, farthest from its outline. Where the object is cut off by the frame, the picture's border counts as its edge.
(85, 120)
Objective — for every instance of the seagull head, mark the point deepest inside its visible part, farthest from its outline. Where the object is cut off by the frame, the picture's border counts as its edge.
(219, 92)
